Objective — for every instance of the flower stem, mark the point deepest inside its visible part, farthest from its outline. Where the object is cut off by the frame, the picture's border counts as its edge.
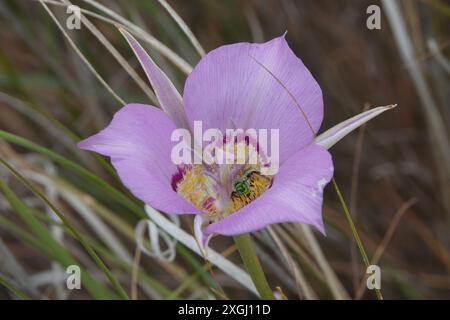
(247, 251)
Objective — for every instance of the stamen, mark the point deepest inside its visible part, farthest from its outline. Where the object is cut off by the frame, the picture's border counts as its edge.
(248, 186)
(198, 189)
(219, 190)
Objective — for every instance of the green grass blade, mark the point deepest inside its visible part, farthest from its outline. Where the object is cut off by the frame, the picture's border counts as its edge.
(86, 174)
(22, 295)
(116, 285)
(44, 242)
(355, 233)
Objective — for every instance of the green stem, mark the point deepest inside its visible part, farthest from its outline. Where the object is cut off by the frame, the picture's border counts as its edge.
(358, 241)
(247, 251)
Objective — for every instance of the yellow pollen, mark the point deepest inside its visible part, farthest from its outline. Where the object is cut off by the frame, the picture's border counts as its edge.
(221, 196)
(196, 188)
(257, 185)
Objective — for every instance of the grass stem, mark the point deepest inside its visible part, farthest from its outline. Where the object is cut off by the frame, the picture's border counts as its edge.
(358, 241)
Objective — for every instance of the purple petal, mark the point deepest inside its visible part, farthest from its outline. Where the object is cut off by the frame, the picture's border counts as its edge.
(168, 96)
(295, 196)
(138, 142)
(236, 86)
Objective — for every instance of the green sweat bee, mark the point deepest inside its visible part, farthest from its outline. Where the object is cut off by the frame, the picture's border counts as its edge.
(242, 184)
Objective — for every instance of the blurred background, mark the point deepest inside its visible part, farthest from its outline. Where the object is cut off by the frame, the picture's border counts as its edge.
(394, 172)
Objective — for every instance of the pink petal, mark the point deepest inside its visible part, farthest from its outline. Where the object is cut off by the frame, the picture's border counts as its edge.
(138, 142)
(295, 196)
(235, 86)
(168, 96)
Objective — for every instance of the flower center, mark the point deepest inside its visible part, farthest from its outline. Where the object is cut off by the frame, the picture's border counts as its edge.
(218, 190)
(247, 186)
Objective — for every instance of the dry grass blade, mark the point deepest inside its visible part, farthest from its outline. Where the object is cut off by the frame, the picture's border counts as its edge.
(304, 287)
(436, 126)
(336, 287)
(80, 54)
(438, 55)
(386, 239)
(125, 65)
(134, 274)
(10, 265)
(140, 33)
(183, 27)
(354, 192)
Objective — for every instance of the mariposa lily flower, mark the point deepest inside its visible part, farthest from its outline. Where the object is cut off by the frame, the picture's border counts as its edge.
(243, 85)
